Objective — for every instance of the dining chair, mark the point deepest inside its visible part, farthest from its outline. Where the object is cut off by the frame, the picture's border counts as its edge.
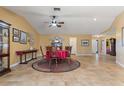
(48, 48)
(68, 48)
(60, 47)
(54, 55)
(47, 56)
(42, 53)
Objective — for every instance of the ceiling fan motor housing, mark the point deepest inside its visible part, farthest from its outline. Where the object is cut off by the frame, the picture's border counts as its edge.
(54, 22)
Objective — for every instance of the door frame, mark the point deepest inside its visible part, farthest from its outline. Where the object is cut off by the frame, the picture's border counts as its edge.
(75, 44)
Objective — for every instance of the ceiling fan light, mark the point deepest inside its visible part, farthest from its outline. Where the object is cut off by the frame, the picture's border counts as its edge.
(53, 24)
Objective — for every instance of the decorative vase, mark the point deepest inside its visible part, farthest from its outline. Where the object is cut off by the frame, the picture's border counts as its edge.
(31, 48)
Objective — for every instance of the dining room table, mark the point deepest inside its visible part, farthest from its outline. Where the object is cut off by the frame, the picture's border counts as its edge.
(59, 54)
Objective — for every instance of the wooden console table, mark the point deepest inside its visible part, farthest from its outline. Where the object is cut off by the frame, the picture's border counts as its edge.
(25, 52)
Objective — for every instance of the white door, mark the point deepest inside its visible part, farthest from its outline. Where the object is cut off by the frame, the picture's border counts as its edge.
(94, 46)
(73, 43)
(103, 47)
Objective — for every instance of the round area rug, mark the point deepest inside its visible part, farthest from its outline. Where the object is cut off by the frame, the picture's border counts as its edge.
(62, 66)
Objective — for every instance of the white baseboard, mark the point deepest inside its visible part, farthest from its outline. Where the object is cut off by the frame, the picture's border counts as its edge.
(17, 63)
(13, 65)
(117, 62)
(26, 60)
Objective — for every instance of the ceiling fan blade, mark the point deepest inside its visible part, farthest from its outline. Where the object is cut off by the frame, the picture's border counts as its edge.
(61, 22)
(58, 25)
(50, 25)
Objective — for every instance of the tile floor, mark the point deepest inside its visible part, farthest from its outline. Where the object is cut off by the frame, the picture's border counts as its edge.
(94, 70)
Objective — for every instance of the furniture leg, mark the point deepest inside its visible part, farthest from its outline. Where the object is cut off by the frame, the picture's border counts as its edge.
(25, 57)
(32, 56)
(69, 61)
(56, 62)
(36, 55)
(50, 61)
(49, 64)
(20, 59)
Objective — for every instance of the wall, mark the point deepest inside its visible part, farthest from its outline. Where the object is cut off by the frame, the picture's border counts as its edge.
(81, 49)
(107, 34)
(118, 24)
(45, 41)
(20, 23)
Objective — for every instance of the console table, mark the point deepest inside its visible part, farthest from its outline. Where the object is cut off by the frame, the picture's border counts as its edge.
(25, 52)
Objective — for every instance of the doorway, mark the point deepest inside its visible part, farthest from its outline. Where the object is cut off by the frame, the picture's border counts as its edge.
(95, 47)
(103, 47)
(73, 43)
(111, 46)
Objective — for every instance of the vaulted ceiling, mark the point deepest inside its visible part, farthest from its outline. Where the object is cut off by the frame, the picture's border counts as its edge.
(78, 19)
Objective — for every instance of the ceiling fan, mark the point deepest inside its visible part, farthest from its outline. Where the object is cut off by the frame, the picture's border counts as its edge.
(54, 22)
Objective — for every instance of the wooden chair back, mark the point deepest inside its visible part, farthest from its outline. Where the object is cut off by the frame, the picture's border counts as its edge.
(41, 51)
(59, 48)
(68, 48)
(48, 48)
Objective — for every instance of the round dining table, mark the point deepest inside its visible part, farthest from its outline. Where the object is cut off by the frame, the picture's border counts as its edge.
(60, 54)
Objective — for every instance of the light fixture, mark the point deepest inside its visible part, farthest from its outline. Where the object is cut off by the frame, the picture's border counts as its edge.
(94, 19)
(54, 24)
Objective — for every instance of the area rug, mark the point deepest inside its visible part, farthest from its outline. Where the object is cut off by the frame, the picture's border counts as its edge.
(62, 66)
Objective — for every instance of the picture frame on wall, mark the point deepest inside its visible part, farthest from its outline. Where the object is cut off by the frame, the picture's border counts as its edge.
(23, 37)
(122, 36)
(16, 35)
(84, 43)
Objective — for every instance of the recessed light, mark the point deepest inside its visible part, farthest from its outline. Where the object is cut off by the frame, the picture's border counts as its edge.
(94, 19)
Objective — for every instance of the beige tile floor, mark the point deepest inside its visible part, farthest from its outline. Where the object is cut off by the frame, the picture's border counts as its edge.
(94, 70)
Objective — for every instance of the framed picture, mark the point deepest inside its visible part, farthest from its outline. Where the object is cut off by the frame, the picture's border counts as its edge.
(122, 36)
(23, 37)
(16, 35)
(84, 43)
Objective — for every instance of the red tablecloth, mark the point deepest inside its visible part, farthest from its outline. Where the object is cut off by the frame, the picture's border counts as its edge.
(60, 54)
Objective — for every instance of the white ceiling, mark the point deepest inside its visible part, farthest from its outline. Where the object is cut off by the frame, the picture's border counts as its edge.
(78, 19)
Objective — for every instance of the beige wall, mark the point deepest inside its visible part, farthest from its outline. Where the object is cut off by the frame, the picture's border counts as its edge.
(118, 24)
(45, 41)
(19, 23)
